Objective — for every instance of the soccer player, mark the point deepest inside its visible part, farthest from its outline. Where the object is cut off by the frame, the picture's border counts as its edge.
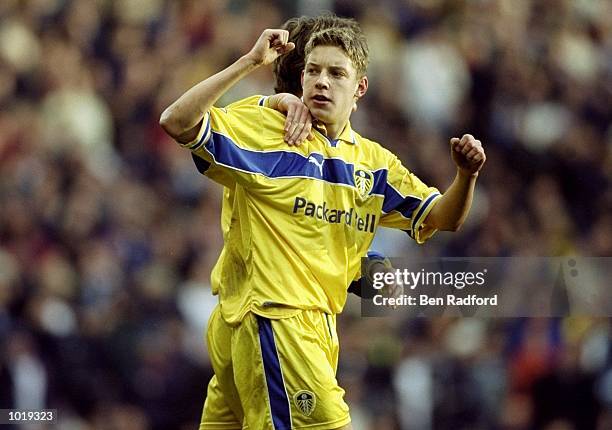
(302, 217)
(287, 70)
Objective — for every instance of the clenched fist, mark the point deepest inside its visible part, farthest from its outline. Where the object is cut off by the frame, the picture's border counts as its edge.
(271, 44)
(467, 154)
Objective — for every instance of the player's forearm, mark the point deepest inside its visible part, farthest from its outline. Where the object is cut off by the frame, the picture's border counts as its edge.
(181, 118)
(453, 207)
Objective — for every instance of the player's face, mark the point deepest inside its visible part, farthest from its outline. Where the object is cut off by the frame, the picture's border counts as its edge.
(331, 86)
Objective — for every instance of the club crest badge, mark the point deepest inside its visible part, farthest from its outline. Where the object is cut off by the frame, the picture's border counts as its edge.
(364, 181)
(305, 401)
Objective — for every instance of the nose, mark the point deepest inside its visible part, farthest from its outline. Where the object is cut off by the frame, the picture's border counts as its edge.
(322, 82)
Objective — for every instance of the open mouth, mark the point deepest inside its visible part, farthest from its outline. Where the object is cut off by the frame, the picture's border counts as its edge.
(321, 98)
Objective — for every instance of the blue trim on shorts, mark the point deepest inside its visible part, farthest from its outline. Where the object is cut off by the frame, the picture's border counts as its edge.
(279, 403)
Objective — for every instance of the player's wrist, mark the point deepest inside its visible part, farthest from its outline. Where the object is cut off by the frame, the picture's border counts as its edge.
(283, 102)
(467, 174)
(251, 61)
(272, 102)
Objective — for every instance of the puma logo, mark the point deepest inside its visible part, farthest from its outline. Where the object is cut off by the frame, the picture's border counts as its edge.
(319, 164)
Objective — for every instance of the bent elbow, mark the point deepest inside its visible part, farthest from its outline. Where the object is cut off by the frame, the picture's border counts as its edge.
(447, 225)
(443, 224)
(454, 227)
(170, 124)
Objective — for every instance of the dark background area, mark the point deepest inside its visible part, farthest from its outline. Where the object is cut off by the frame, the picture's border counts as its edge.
(108, 233)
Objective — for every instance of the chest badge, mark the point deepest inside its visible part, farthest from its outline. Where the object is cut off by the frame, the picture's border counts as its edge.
(364, 181)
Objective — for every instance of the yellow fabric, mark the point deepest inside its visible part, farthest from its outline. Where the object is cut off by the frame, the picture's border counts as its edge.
(228, 199)
(307, 349)
(217, 413)
(301, 217)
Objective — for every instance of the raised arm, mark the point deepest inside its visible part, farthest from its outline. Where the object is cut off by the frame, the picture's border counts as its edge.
(452, 208)
(181, 120)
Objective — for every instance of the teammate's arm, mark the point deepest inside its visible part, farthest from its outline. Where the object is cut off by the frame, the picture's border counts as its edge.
(374, 262)
(452, 208)
(298, 121)
(182, 120)
(298, 125)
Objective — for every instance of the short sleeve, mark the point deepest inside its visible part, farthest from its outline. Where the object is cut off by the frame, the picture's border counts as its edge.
(227, 142)
(204, 166)
(407, 201)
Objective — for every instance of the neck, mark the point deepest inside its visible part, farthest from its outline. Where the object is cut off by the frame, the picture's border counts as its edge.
(333, 131)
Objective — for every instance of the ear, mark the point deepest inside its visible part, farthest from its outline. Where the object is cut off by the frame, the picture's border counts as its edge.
(302, 79)
(362, 87)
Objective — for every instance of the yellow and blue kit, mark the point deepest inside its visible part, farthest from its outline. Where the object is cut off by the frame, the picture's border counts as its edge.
(301, 218)
(227, 201)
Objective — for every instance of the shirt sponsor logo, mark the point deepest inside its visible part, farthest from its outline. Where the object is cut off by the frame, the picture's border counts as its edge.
(324, 213)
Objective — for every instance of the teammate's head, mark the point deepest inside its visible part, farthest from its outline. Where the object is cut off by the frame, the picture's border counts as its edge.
(334, 75)
(288, 68)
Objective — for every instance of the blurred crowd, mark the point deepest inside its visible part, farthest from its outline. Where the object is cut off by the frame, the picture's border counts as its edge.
(108, 233)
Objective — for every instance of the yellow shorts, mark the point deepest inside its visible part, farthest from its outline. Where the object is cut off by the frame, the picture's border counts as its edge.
(274, 374)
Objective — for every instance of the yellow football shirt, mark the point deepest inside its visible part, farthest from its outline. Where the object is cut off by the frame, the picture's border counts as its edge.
(228, 196)
(301, 217)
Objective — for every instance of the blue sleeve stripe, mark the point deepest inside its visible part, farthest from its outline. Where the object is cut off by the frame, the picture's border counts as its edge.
(262, 100)
(422, 210)
(408, 205)
(204, 137)
(394, 201)
(277, 393)
(380, 182)
(279, 164)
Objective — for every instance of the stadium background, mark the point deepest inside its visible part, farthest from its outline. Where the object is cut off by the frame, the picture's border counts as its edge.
(108, 234)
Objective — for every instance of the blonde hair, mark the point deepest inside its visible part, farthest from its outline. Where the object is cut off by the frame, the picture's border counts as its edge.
(351, 40)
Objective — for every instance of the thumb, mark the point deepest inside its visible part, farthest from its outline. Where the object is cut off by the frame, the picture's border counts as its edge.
(287, 47)
(454, 142)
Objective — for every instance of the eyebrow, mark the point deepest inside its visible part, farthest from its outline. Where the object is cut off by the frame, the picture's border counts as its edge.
(331, 67)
